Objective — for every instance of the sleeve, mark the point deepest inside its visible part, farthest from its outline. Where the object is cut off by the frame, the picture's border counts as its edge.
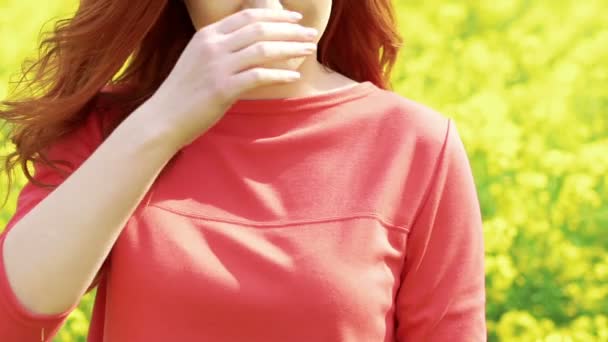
(17, 323)
(442, 292)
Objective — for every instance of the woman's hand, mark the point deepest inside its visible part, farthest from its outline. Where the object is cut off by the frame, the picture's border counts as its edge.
(222, 61)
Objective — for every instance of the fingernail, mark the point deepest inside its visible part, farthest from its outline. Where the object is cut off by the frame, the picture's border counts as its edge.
(311, 32)
(310, 47)
(293, 75)
(295, 15)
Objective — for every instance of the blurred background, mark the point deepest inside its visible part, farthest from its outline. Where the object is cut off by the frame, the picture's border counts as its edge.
(527, 83)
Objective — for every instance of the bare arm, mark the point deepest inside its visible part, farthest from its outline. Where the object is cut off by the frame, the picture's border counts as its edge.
(53, 253)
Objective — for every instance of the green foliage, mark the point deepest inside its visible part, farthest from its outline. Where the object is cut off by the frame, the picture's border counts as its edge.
(526, 82)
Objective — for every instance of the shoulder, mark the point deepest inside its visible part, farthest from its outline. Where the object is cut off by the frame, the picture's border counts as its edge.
(421, 143)
(427, 146)
(412, 123)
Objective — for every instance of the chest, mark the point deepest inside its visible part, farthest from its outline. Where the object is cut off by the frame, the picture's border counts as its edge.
(280, 241)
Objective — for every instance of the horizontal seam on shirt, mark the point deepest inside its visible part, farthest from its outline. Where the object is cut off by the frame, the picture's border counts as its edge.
(391, 226)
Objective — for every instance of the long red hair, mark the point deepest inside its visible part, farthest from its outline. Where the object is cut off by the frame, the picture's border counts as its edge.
(84, 54)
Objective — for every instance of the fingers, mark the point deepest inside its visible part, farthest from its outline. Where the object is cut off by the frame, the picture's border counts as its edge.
(257, 77)
(268, 51)
(247, 40)
(239, 19)
(249, 34)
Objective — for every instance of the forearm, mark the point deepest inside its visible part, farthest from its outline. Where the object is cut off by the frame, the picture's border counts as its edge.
(54, 252)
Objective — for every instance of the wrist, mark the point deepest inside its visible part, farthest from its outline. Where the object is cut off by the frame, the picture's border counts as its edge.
(148, 130)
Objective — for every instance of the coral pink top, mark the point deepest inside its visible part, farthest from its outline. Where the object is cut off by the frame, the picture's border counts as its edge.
(346, 216)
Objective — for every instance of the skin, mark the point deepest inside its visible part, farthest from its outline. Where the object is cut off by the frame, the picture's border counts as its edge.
(316, 13)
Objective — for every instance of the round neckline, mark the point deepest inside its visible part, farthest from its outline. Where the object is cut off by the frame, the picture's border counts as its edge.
(278, 106)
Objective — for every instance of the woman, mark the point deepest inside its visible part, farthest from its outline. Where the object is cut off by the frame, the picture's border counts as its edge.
(236, 183)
